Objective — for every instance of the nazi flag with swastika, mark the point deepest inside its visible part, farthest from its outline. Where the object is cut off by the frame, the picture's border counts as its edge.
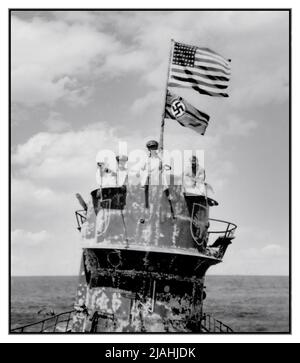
(187, 115)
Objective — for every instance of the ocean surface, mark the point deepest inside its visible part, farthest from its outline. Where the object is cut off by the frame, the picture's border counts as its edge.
(245, 303)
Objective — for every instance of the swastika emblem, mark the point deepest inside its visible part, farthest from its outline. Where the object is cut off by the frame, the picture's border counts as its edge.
(177, 108)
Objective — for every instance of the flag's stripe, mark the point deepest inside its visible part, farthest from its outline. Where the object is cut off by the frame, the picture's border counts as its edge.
(200, 79)
(188, 123)
(207, 76)
(198, 128)
(211, 67)
(200, 120)
(205, 55)
(196, 88)
(213, 60)
(205, 49)
(181, 123)
(204, 68)
(191, 79)
(199, 65)
(209, 61)
(213, 54)
(200, 115)
(201, 71)
(195, 126)
(187, 83)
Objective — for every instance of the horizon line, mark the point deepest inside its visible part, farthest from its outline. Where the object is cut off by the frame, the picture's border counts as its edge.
(250, 275)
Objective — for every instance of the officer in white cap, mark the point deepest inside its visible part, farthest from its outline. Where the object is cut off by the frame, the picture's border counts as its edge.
(122, 172)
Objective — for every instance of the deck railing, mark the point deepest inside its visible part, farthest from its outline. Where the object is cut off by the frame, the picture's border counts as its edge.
(60, 323)
(225, 231)
(211, 325)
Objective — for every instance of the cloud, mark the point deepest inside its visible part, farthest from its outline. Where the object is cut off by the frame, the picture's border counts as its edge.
(237, 127)
(50, 57)
(19, 114)
(273, 250)
(27, 238)
(124, 61)
(69, 156)
(58, 57)
(142, 104)
(34, 205)
(56, 123)
(25, 192)
(77, 17)
(66, 161)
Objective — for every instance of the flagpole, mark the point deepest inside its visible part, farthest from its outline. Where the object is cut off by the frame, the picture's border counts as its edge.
(162, 126)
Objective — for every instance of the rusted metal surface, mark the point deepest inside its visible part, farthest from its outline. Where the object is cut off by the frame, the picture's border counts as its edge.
(149, 298)
(145, 255)
(120, 216)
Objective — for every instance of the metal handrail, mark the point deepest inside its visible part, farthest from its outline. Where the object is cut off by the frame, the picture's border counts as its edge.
(228, 229)
(47, 328)
(208, 324)
(212, 325)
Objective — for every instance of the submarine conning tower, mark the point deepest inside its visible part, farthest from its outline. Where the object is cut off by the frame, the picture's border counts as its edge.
(145, 251)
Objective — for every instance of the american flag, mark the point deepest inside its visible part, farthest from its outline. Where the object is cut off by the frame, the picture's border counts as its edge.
(199, 68)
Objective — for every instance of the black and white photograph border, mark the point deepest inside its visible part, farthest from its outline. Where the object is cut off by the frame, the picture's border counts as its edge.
(137, 247)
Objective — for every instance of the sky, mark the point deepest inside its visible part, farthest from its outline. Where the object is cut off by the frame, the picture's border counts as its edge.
(82, 81)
